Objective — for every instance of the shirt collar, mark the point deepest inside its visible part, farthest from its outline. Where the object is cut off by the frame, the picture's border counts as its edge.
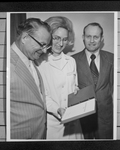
(20, 54)
(88, 54)
(62, 56)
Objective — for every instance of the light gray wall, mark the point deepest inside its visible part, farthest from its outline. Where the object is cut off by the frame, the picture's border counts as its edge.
(81, 19)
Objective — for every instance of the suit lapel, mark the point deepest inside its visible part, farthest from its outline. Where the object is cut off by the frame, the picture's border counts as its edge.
(41, 85)
(23, 72)
(103, 69)
(85, 67)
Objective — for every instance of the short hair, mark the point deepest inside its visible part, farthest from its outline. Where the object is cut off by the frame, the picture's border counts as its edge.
(56, 22)
(31, 25)
(94, 24)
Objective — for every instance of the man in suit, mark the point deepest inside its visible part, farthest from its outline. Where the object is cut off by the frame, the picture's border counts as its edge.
(100, 124)
(27, 99)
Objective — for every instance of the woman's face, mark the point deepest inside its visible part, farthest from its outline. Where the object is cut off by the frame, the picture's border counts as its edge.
(59, 40)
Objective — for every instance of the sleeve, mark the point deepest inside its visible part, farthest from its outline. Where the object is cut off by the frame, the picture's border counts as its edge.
(51, 104)
(112, 76)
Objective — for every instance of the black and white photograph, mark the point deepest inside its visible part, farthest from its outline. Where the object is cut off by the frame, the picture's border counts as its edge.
(61, 76)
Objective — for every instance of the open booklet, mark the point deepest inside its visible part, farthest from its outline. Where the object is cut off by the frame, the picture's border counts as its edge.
(80, 105)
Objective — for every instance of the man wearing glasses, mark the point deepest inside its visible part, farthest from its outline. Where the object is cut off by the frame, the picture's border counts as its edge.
(27, 100)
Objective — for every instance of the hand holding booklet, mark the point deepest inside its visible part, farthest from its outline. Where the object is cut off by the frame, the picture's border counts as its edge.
(80, 105)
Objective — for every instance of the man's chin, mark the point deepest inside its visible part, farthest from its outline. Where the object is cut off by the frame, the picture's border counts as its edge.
(92, 50)
(38, 55)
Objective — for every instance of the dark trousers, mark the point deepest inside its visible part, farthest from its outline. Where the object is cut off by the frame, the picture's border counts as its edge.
(89, 126)
(94, 128)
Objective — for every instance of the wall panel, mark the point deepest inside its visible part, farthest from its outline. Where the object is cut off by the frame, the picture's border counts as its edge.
(118, 83)
(2, 76)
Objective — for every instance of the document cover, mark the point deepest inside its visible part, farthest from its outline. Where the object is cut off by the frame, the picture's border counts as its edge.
(80, 105)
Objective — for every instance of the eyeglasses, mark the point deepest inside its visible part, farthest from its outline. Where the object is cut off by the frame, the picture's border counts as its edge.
(43, 46)
(58, 39)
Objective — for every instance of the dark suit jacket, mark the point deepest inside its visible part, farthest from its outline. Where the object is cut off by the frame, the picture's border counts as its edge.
(103, 90)
(27, 109)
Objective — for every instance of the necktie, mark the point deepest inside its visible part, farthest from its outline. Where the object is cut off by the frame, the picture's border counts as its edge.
(94, 70)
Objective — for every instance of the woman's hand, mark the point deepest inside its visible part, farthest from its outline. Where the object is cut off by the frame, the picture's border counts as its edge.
(61, 111)
(76, 90)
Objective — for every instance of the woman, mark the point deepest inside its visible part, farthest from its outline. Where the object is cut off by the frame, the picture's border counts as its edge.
(60, 79)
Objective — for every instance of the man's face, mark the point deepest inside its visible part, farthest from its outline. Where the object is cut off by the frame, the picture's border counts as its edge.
(36, 44)
(92, 38)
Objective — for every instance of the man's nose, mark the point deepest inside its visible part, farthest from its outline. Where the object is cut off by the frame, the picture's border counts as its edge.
(91, 39)
(44, 50)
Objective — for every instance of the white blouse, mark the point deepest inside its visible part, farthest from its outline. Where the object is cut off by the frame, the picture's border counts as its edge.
(60, 79)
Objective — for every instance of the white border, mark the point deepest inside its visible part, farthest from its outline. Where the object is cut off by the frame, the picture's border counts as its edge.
(8, 80)
(115, 74)
(46, 12)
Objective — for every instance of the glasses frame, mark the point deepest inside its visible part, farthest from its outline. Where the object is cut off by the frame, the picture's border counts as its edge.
(41, 45)
(58, 39)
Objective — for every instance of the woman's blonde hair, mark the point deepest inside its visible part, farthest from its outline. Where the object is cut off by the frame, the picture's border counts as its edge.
(56, 22)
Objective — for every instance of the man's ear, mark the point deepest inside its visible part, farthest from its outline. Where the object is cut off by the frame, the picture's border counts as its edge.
(102, 38)
(83, 37)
